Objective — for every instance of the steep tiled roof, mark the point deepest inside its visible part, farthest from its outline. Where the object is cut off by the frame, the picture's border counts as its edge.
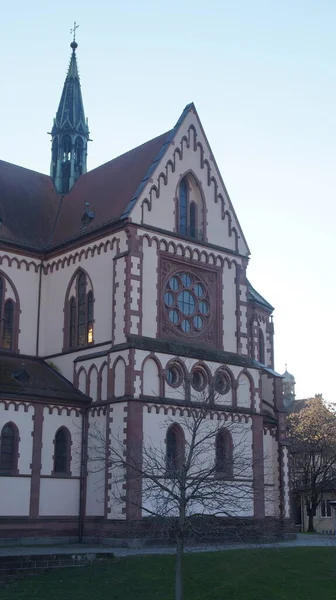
(25, 376)
(33, 214)
(254, 296)
(109, 189)
(28, 206)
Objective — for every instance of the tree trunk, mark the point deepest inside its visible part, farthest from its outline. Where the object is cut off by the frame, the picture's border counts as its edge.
(311, 528)
(179, 568)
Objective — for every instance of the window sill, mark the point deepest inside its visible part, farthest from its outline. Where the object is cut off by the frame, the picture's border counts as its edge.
(76, 348)
(66, 475)
(9, 473)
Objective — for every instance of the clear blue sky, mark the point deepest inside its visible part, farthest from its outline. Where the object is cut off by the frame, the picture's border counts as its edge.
(262, 76)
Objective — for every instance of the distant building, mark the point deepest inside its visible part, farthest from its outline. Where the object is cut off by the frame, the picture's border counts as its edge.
(288, 383)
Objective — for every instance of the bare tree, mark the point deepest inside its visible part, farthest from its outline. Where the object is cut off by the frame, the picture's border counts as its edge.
(312, 435)
(200, 470)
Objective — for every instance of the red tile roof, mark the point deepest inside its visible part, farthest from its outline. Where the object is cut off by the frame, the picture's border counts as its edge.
(33, 214)
(28, 206)
(109, 189)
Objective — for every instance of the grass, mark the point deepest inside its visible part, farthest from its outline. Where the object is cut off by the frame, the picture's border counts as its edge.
(257, 574)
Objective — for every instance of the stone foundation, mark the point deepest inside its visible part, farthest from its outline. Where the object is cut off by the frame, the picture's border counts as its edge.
(146, 532)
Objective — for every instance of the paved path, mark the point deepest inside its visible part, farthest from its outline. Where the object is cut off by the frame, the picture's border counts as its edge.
(301, 541)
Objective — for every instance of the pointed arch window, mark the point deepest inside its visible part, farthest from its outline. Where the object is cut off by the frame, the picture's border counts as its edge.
(193, 219)
(80, 313)
(8, 318)
(183, 197)
(62, 453)
(261, 347)
(175, 449)
(90, 317)
(9, 441)
(190, 208)
(224, 454)
(7, 332)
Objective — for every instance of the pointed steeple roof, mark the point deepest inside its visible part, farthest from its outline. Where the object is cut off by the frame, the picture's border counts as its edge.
(70, 114)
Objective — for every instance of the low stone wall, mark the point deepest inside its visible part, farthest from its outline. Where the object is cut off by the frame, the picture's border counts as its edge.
(18, 566)
(149, 532)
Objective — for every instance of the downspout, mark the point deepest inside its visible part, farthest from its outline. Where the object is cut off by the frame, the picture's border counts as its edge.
(281, 481)
(38, 310)
(83, 475)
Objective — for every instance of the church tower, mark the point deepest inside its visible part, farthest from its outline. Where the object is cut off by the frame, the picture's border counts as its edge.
(70, 132)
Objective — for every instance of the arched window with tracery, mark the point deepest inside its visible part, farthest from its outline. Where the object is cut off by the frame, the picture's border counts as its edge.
(175, 449)
(224, 454)
(8, 315)
(79, 325)
(62, 452)
(261, 347)
(9, 442)
(190, 222)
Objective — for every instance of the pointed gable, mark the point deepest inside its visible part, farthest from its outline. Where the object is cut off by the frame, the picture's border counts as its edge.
(188, 153)
(141, 184)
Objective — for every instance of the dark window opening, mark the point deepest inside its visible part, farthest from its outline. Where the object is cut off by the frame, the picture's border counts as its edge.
(193, 220)
(90, 318)
(183, 207)
(82, 310)
(7, 331)
(224, 458)
(174, 449)
(62, 451)
(261, 347)
(8, 450)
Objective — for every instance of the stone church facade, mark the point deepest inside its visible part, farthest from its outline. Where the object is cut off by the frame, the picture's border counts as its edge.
(120, 288)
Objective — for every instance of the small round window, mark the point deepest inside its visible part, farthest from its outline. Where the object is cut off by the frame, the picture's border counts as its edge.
(174, 376)
(187, 303)
(198, 380)
(222, 383)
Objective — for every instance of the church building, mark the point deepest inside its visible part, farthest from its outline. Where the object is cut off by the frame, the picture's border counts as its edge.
(121, 288)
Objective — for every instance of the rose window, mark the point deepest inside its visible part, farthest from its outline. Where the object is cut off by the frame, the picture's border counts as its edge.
(187, 303)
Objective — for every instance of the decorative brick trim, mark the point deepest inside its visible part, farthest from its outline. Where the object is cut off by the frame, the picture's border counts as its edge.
(133, 444)
(258, 467)
(36, 462)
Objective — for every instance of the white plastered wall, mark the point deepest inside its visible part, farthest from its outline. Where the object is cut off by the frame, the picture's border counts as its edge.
(116, 502)
(26, 283)
(95, 491)
(237, 503)
(99, 268)
(15, 491)
(60, 496)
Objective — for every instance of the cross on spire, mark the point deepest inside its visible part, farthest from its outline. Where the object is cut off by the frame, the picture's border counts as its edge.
(73, 30)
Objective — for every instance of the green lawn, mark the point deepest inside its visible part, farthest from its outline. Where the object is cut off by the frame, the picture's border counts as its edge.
(276, 574)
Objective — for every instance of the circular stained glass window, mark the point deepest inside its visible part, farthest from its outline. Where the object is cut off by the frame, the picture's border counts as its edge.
(174, 284)
(198, 322)
(187, 301)
(169, 299)
(198, 380)
(199, 290)
(222, 383)
(173, 316)
(186, 325)
(174, 376)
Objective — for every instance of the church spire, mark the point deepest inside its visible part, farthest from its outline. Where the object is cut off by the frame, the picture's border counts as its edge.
(70, 132)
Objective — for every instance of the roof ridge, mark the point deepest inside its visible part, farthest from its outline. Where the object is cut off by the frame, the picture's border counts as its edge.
(6, 162)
